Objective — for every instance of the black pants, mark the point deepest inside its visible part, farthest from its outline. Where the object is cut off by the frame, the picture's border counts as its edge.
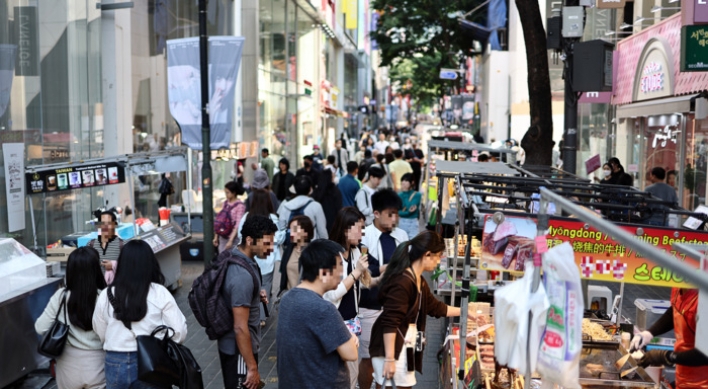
(233, 370)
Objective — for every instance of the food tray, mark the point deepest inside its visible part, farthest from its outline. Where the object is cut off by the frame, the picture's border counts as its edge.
(605, 355)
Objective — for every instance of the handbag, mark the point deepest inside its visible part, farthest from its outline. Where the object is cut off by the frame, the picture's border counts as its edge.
(54, 340)
(191, 372)
(155, 364)
(354, 325)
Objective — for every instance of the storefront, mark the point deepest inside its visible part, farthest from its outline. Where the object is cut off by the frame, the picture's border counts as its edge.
(656, 122)
(290, 41)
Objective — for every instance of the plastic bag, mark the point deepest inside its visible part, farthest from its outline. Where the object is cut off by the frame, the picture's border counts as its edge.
(561, 344)
(512, 304)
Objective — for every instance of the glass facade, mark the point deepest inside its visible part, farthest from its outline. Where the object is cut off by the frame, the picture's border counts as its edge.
(51, 101)
(287, 83)
(594, 136)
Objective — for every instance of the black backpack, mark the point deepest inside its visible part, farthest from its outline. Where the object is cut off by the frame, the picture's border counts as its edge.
(205, 299)
(298, 211)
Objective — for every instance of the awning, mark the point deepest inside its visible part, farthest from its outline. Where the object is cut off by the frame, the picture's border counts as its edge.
(456, 167)
(454, 146)
(680, 104)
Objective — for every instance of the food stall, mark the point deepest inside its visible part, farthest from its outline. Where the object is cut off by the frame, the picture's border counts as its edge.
(164, 239)
(443, 150)
(599, 256)
(25, 290)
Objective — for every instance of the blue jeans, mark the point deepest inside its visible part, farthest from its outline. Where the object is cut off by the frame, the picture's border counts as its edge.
(122, 371)
(410, 226)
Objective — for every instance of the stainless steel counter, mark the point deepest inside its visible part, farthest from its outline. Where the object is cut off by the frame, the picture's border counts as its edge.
(18, 340)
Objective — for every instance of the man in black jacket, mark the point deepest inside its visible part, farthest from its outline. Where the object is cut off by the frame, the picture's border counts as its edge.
(283, 180)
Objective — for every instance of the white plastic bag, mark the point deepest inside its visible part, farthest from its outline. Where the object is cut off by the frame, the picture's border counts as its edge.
(512, 304)
(562, 341)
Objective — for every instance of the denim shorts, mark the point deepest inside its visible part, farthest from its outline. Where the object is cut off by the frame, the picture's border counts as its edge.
(122, 371)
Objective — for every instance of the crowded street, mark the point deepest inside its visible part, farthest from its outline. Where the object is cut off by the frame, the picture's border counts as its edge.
(354, 194)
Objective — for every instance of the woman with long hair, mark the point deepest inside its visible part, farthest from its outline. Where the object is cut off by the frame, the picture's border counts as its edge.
(301, 232)
(134, 304)
(81, 363)
(328, 195)
(348, 230)
(235, 208)
(262, 205)
(407, 300)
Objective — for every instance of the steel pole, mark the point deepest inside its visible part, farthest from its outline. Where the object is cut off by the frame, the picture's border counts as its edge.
(208, 209)
(570, 128)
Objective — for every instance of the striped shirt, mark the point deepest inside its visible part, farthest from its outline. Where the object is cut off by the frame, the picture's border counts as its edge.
(112, 250)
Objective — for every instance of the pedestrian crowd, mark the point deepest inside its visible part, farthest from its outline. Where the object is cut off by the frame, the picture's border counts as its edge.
(342, 231)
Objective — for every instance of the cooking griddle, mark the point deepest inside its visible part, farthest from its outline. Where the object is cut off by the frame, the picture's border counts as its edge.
(605, 355)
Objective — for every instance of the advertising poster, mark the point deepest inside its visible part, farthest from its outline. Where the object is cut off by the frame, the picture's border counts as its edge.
(184, 87)
(597, 255)
(74, 177)
(14, 159)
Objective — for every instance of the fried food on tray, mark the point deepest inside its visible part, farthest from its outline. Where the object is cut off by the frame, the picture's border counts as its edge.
(595, 331)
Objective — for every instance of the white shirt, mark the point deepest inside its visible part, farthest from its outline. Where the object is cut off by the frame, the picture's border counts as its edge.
(161, 309)
(335, 296)
(78, 338)
(381, 146)
(372, 236)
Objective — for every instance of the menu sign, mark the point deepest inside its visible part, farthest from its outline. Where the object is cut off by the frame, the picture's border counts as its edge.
(161, 238)
(694, 48)
(598, 256)
(74, 177)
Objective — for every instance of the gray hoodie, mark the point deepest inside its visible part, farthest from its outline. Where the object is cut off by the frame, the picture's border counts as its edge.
(313, 211)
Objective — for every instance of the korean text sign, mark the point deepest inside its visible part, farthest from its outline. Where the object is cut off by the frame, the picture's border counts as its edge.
(597, 255)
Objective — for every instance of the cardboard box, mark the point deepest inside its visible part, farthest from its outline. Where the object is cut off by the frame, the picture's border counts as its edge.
(59, 254)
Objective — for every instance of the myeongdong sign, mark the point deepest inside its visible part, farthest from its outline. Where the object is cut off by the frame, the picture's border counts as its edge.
(598, 256)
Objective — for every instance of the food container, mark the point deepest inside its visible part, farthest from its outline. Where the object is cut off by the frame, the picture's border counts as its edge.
(649, 311)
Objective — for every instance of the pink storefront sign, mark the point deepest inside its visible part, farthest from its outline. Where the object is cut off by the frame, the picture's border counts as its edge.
(629, 53)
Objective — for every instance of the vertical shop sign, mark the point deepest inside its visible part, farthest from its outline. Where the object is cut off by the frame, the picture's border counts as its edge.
(7, 70)
(14, 159)
(184, 87)
(694, 48)
(700, 11)
(26, 37)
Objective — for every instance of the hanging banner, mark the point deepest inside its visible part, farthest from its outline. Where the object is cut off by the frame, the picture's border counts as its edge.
(184, 87)
(14, 159)
(597, 255)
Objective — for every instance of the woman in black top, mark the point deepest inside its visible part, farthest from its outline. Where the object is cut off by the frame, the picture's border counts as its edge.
(282, 180)
(329, 196)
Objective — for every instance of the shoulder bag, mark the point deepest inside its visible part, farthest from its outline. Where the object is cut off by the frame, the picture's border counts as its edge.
(54, 340)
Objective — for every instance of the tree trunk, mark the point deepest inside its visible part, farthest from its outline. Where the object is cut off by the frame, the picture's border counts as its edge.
(538, 140)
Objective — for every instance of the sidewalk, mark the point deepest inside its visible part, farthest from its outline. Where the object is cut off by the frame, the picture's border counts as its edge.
(207, 354)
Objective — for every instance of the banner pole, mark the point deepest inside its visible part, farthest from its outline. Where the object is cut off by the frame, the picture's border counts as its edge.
(208, 208)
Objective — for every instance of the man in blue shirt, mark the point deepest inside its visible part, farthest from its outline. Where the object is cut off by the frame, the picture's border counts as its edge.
(349, 185)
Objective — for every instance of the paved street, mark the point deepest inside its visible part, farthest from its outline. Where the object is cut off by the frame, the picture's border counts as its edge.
(206, 351)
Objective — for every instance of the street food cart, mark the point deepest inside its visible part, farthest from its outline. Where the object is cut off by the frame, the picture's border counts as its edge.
(517, 199)
(164, 239)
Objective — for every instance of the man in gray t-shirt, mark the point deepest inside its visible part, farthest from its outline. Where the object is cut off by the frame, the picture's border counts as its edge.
(313, 343)
(662, 191)
(238, 351)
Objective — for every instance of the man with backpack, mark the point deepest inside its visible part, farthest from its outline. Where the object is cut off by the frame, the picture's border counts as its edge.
(303, 204)
(241, 290)
(363, 196)
(365, 164)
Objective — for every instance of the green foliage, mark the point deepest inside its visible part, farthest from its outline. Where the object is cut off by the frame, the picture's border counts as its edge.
(419, 37)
